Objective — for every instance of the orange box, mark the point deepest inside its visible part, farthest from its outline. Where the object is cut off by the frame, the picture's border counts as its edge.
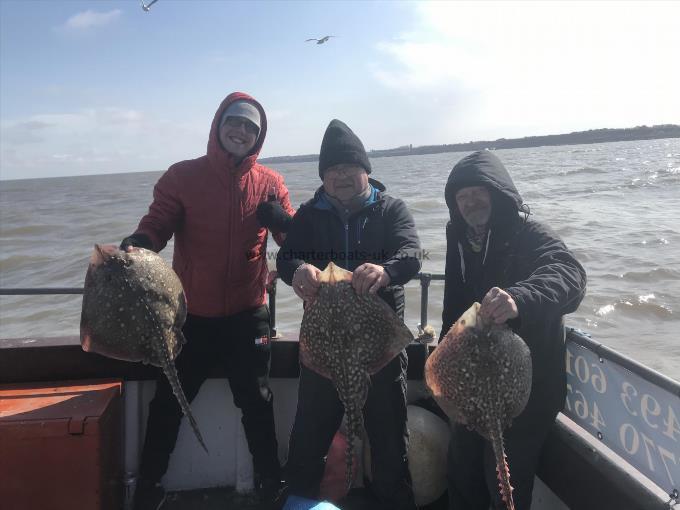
(61, 445)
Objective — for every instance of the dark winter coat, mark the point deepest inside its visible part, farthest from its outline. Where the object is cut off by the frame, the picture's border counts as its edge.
(382, 232)
(524, 258)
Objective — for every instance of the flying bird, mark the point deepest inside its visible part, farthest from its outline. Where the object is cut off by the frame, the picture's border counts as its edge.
(146, 7)
(322, 40)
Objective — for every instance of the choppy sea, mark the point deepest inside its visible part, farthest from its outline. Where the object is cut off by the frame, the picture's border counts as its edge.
(616, 205)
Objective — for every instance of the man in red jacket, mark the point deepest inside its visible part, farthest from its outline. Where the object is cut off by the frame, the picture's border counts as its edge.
(219, 207)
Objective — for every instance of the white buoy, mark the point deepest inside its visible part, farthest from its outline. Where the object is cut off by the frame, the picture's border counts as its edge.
(428, 445)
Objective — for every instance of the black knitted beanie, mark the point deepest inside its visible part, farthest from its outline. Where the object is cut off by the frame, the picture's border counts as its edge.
(341, 145)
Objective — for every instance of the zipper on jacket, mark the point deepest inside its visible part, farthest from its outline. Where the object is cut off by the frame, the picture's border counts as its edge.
(361, 224)
(360, 227)
(230, 233)
(347, 245)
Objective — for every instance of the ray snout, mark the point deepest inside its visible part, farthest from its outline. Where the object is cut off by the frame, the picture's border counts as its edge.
(334, 274)
(102, 253)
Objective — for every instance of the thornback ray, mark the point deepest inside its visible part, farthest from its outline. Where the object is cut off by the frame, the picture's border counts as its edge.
(480, 375)
(347, 337)
(133, 310)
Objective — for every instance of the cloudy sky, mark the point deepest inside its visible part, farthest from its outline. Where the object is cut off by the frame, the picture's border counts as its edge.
(90, 87)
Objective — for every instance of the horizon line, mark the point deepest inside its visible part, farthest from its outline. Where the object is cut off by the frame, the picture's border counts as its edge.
(403, 147)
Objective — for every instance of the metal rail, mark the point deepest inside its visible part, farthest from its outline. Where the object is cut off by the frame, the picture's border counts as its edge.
(575, 335)
(40, 291)
(424, 278)
(583, 339)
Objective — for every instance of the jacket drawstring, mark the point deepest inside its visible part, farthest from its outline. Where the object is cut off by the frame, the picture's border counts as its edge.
(486, 250)
(462, 257)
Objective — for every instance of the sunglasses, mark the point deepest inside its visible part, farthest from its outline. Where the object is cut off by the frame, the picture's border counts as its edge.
(237, 122)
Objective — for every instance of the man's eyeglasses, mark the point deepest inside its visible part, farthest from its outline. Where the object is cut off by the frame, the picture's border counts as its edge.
(237, 122)
(347, 171)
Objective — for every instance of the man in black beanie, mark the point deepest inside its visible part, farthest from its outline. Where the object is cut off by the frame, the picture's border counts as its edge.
(353, 223)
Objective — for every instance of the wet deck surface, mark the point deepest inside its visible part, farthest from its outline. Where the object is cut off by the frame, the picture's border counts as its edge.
(228, 499)
(211, 499)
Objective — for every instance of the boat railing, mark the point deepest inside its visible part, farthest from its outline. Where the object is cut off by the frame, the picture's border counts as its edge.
(32, 291)
(628, 407)
(575, 335)
(424, 279)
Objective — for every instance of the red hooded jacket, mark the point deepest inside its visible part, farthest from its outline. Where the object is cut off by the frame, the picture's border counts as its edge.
(209, 205)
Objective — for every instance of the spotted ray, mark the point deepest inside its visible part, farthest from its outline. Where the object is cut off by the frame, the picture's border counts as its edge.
(346, 338)
(480, 375)
(133, 310)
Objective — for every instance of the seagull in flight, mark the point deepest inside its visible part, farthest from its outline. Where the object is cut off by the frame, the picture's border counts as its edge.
(320, 41)
(146, 7)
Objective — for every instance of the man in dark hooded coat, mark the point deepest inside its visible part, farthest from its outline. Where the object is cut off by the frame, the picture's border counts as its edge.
(522, 274)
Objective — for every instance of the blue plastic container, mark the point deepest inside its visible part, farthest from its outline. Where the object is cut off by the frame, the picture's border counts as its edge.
(298, 503)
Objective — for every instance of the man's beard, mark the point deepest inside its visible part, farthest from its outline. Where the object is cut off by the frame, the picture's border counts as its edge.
(477, 218)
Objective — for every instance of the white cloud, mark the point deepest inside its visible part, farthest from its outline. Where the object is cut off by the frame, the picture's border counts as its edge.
(279, 114)
(24, 132)
(89, 19)
(519, 68)
(94, 140)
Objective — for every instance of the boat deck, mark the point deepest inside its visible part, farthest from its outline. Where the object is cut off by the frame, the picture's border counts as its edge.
(228, 499)
(210, 499)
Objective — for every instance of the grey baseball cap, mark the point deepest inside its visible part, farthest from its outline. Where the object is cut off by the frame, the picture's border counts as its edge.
(242, 109)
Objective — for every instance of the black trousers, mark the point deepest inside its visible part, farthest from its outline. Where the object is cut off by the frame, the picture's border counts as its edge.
(471, 473)
(213, 342)
(319, 415)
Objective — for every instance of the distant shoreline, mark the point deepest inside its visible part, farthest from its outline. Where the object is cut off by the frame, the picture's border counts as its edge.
(575, 138)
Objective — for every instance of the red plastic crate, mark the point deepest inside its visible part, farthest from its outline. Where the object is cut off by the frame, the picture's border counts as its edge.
(61, 446)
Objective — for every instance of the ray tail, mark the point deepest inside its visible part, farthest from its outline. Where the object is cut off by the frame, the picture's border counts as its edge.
(502, 470)
(354, 429)
(171, 373)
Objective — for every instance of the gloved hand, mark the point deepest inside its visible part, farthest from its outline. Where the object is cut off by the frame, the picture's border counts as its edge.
(137, 240)
(272, 216)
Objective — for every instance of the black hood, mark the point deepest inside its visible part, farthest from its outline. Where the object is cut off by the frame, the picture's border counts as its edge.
(483, 168)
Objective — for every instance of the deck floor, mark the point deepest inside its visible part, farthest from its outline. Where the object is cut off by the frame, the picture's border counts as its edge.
(228, 499)
(211, 499)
